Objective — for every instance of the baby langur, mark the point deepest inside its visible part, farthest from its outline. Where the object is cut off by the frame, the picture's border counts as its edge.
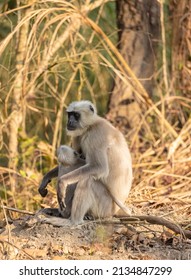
(68, 157)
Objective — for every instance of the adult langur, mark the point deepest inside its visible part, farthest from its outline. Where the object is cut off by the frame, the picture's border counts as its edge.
(103, 179)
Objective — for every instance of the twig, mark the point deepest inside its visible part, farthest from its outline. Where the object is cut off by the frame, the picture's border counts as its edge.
(23, 251)
(159, 221)
(6, 219)
(17, 210)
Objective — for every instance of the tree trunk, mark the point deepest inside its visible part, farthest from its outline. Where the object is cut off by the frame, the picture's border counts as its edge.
(17, 107)
(181, 46)
(138, 22)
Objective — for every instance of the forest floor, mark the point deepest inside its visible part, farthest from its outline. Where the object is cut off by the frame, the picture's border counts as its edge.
(160, 188)
(26, 238)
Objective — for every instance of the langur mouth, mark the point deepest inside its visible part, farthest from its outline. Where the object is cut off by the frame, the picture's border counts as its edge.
(71, 128)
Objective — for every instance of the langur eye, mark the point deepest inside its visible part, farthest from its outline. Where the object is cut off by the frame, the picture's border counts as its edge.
(75, 153)
(76, 115)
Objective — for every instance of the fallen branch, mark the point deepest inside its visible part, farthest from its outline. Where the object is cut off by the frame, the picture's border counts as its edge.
(16, 247)
(158, 221)
(17, 210)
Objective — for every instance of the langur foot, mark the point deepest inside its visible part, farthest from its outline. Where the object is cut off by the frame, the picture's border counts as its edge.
(65, 212)
(43, 218)
(51, 212)
(58, 222)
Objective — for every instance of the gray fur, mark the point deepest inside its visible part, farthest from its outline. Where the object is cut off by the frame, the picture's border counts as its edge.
(105, 178)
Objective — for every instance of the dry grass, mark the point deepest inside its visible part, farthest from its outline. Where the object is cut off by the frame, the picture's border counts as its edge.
(70, 55)
(162, 174)
(58, 62)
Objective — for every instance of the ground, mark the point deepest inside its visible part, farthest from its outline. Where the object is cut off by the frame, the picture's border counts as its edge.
(27, 238)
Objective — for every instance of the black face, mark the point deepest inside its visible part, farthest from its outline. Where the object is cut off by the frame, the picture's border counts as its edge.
(73, 120)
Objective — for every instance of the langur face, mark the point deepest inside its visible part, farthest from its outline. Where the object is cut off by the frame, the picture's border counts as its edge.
(81, 115)
(73, 121)
(67, 156)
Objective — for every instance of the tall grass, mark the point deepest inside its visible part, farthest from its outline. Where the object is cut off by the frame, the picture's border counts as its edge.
(71, 54)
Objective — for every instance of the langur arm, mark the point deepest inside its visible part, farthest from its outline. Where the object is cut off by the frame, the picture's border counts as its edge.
(47, 179)
(97, 168)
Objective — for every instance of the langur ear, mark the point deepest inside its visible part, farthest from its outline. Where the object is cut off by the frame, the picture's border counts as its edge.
(92, 108)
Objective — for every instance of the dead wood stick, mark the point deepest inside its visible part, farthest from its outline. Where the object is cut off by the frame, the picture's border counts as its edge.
(159, 221)
(19, 249)
(17, 210)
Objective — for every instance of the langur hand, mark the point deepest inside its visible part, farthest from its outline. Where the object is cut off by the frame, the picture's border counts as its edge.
(47, 179)
(42, 189)
(61, 192)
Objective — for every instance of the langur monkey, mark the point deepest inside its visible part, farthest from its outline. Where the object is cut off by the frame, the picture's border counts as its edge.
(106, 173)
(67, 159)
